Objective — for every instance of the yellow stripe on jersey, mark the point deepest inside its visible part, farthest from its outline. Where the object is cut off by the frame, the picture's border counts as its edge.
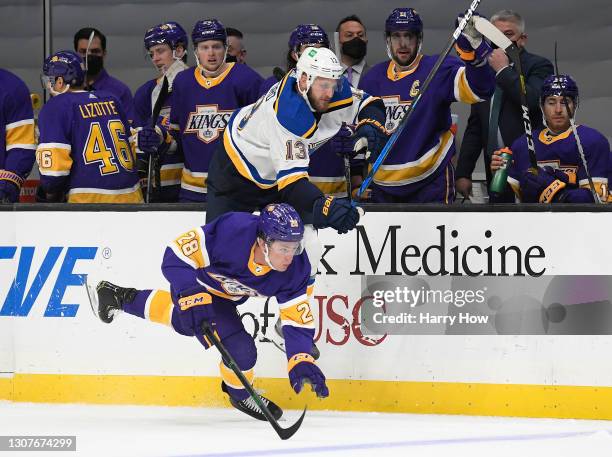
(346, 101)
(254, 267)
(463, 91)
(54, 159)
(238, 162)
(209, 83)
(230, 378)
(20, 134)
(407, 173)
(171, 174)
(191, 248)
(194, 180)
(160, 307)
(331, 185)
(601, 187)
(92, 195)
(547, 137)
(298, 314)
(310, 131)
(280, 91)
(395, 75)
(310, 290)
(290, 179)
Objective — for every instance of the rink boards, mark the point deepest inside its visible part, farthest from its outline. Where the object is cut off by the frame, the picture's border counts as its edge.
(52, 348)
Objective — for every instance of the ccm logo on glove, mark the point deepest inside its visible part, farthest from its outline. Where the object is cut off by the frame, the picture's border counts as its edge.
(194, 300)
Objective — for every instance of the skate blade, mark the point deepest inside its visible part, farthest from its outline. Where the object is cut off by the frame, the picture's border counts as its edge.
(92, 295)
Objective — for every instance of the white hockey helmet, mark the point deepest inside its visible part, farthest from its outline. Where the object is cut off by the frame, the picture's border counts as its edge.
(317, 62)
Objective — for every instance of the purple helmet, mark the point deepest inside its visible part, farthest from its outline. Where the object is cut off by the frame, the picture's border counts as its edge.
(307, 34)
(404, 19)
(170, 33)
(561, 85)
(67, 64)
(208, 29)
(279, 221)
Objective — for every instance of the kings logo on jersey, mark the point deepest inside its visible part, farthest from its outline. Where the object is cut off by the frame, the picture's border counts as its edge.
(232, 286)
(208, 121)
(396, 109)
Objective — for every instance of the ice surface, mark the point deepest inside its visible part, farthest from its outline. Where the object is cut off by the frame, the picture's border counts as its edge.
(181, 432)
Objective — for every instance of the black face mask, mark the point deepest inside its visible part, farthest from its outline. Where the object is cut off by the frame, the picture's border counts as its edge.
(229, 58)
(355, 48)
(94, 65)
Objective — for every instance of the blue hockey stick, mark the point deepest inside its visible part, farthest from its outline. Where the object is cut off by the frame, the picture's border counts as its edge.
(400, 128)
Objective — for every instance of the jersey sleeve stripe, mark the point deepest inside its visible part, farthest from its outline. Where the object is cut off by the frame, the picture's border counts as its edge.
(54, 159)
(463, 91)
(194, 256)
(55, 146)
(21, 123)
(242, 165)
(298, 314)
(291, 178)
(411, 172)
(20, 135)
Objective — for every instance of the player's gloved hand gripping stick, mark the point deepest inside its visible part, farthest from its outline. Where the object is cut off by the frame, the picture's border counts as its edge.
(284, 433)
(400, 128)
(503, 42)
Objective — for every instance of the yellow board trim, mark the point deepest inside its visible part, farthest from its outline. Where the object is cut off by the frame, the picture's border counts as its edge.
(519, 400)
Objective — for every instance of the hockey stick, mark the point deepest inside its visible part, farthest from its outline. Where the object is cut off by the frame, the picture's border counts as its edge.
(284, 433)
(512, 50)
(91, 37)
(400, 128)
(578, 142)
(154, 162)
(346, 159)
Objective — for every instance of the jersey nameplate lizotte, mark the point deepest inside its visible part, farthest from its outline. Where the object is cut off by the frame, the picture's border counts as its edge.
(207, 121)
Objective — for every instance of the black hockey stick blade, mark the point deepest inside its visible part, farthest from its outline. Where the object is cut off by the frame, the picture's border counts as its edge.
(284, 433)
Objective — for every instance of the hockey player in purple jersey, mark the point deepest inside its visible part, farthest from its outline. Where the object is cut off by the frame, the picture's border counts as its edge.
(166, 45)
(84, 153)
(418, 168)
(213, 269)
(17, 142)
(561, 175)
(203, 99)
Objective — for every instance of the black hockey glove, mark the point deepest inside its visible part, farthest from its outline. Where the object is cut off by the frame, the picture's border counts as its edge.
(337, 213)
(375, 137)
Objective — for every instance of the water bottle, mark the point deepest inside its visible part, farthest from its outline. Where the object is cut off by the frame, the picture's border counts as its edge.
(501, 175)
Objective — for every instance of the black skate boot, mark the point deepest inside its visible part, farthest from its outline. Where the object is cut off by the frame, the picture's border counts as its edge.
(111, 299)
(248, 406)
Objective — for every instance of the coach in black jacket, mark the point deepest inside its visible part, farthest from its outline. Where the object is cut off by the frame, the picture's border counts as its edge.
(477, 136)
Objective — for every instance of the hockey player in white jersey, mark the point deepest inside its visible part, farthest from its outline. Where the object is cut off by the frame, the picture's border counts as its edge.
(266, 146)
